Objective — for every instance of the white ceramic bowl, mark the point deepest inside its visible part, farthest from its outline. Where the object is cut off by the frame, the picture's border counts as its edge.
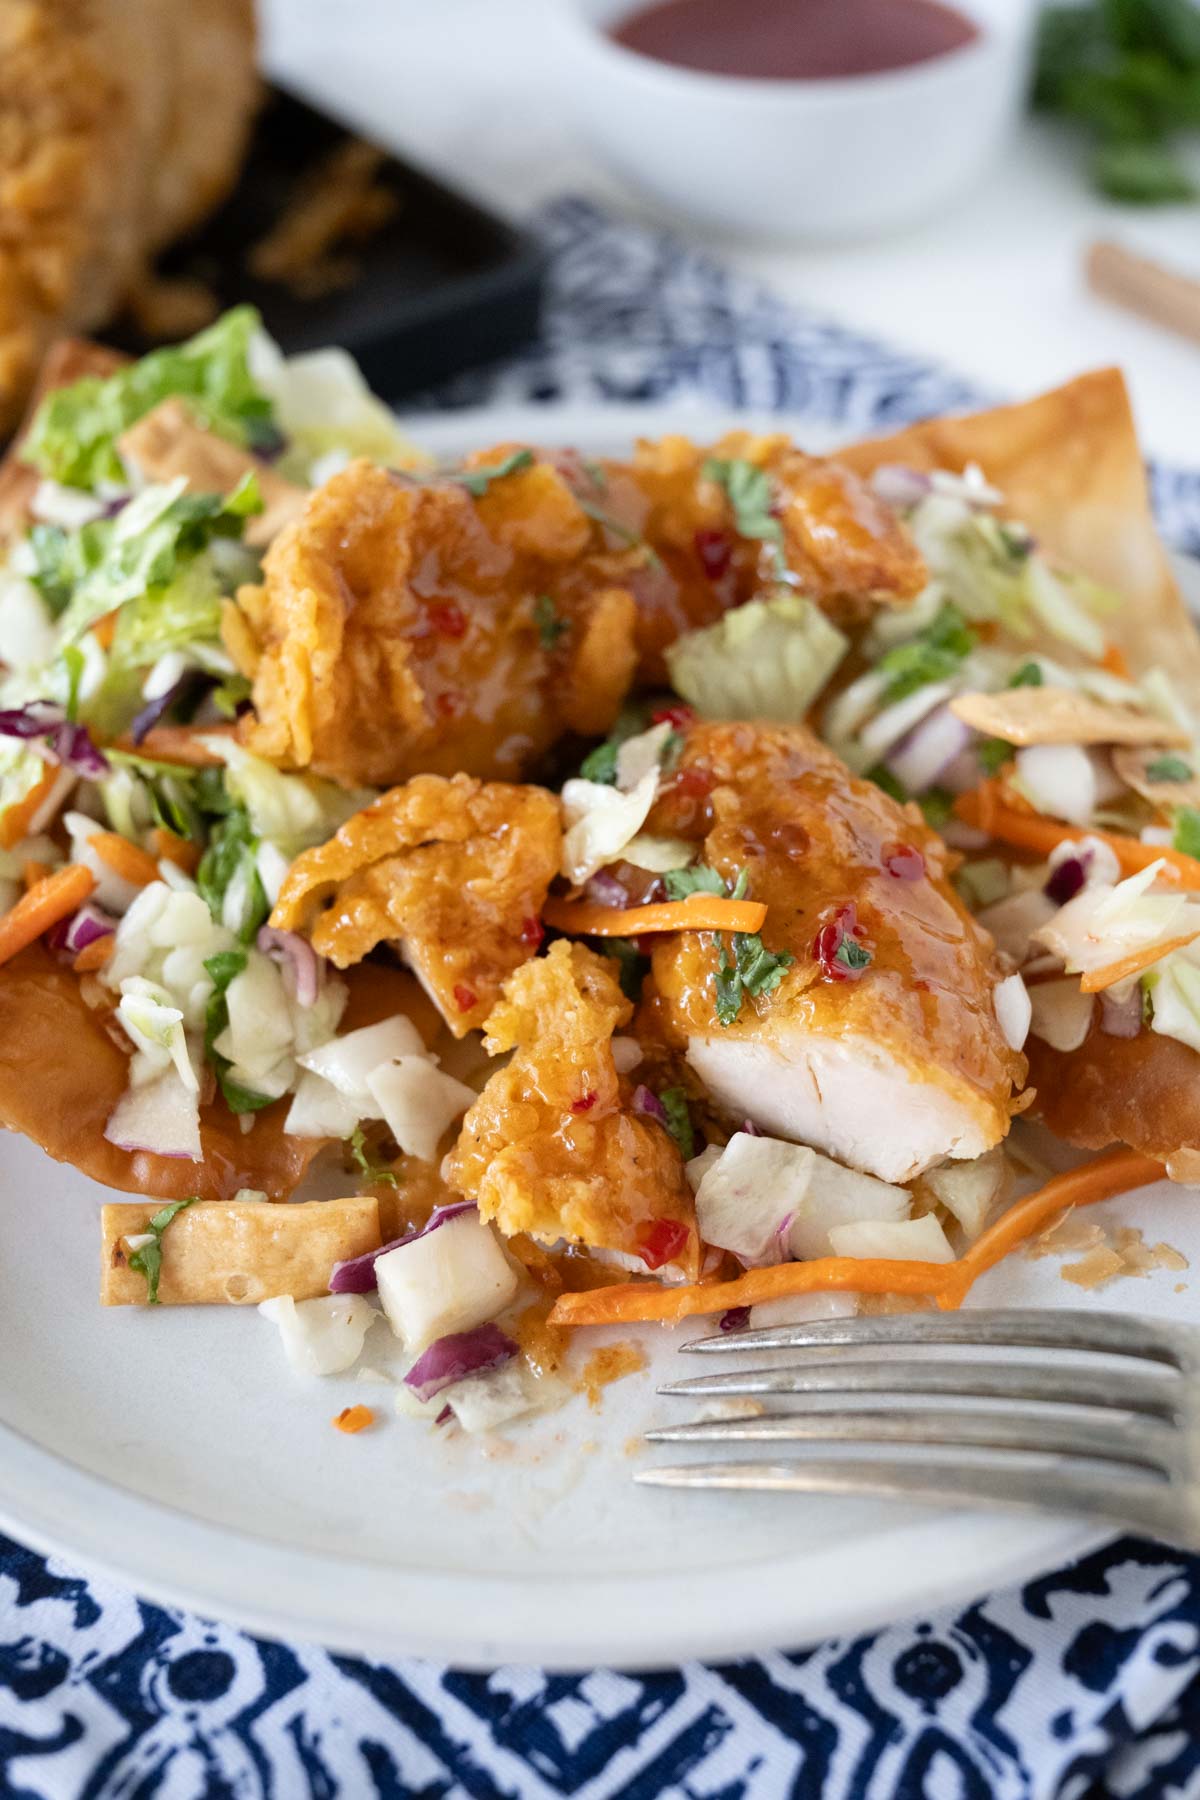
(788, 159)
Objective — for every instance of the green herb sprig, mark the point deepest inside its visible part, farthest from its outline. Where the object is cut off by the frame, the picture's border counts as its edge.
(148, 1260)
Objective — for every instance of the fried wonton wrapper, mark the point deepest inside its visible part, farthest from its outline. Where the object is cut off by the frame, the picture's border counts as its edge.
(410, 627)
(1050, 715)
(553, 1146)
(455, 871)
(167, 443)
(238, 1252)
(1069, 466)
(82, 1071)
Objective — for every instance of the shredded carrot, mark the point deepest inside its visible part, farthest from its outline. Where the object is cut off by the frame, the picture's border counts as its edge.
(182, 852)
(1096, 980)
(984, 808)
(127, 860)
(55, 898)
(105, 629)
(1116, 662)
(178, 744)
(17, 818)
(33, 871)
(947, 1283)
(699, 912)
(94, 955)
(354, 1418)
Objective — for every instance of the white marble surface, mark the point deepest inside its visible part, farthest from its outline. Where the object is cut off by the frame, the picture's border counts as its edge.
(994, 288)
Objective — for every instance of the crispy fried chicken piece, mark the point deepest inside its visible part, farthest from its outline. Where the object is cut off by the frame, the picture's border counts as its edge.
(552, 1146)
(408, 627)
(122, 122)
(843, 547)
(454, 871)
(167, 442)
(888, 1064)
(1142, 1091)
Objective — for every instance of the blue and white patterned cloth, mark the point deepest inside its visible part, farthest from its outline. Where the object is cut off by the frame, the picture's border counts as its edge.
(1079, 1686)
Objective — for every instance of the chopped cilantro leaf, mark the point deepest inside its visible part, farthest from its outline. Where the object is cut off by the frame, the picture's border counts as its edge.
(1187, 831)
(600, 764)
(221, 970)
(932, 655)
(748, 489)
(883, 778)
(228, 876)
(699, 879)
(679, 1120)
(851, 954)
(1028, 675)
(148, 1260)
(993, 753)
(1168, 768)
(478, 481)
(597, 474)
(550, 626)
(374, 1173)
(937, 805)
(751, 969)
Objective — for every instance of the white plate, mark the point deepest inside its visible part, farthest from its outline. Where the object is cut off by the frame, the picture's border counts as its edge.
(175, 1452)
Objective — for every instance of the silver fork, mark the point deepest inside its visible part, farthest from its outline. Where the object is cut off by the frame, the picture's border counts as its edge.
(1065, 1433)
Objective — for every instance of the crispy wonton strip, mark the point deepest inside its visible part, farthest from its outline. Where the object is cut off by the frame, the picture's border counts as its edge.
(236, 1253)
(984, 809)
(947, 1283)
(53, 899)
(700, 912)
(178, 744)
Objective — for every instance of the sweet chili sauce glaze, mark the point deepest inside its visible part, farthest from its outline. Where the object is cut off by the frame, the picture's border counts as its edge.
(794, 40)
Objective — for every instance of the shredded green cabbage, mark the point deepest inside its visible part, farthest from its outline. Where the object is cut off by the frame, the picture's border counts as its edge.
(768, 659)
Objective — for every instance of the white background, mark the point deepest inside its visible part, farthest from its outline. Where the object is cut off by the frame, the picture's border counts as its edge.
(993, 288)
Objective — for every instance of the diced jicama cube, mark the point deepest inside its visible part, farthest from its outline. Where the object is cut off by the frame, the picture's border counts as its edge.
(838, 1196)
(320, 1337)
(766, 1199)
(318, 1110)
(162, 1116)
(903, 1240)
(418, 1103)
(970, 1189)
(347, 1061)
(482, 1402)
(448, 1280)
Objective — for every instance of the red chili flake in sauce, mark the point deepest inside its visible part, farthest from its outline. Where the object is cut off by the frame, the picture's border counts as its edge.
(662, 1241)
(694, 780)
(447, 619)
(715, 550)
(904, 861)
(532, 931)
(465, 998)
(841, 929)
(680, 716)
(585, 1103)
(449, 704)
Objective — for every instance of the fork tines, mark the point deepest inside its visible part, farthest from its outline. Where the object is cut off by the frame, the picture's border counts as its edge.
(1120, 1450)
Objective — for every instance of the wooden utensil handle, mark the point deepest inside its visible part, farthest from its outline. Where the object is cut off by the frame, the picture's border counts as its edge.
(1145, 287)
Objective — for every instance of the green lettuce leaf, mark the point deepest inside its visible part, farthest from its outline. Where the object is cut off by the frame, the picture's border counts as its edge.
(74, 432)
(768, 659)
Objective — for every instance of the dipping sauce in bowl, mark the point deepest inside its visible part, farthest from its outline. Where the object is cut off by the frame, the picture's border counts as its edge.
(794, 40)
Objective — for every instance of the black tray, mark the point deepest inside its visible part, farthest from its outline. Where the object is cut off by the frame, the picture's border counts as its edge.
(438, 286)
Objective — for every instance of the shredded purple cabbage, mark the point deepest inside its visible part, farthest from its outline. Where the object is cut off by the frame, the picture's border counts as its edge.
(649, 1104)
(289, 947)
(70, 745)
(88, 924)
(1067, 879)
(736, 1319)
(193, 683)
(604, 889)
(452, 1359)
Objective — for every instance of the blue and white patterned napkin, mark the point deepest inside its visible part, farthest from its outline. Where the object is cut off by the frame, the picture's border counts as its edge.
(1079, 1686)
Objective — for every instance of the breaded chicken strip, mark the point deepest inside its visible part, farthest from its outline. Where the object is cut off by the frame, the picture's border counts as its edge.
(552, 1146)
(729, 521)
(878, 1043)
(122, 122)
(455, 872)
(409, 626)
